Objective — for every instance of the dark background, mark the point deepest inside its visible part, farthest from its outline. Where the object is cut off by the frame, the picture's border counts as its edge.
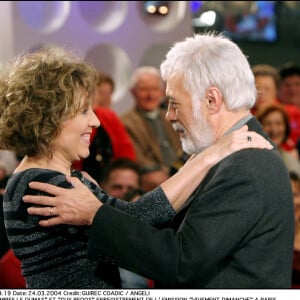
(286, 48)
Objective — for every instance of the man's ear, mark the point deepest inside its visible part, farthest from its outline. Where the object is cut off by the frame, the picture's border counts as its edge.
(214, 100)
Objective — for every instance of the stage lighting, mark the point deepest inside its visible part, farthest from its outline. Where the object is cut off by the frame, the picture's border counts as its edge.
(156, 7)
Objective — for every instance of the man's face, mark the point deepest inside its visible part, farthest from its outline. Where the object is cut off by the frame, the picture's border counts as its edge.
(148, 92)
(191, 123)
(267, 91)
(120, 182)
(290, 90)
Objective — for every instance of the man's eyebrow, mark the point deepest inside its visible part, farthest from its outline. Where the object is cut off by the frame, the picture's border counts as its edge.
(170, 98)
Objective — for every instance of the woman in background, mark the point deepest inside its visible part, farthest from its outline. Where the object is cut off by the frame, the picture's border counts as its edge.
(275, 122)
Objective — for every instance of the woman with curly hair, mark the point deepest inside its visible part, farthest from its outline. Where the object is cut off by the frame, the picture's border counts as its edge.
(46, 116)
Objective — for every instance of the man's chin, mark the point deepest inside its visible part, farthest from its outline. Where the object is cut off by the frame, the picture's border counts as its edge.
(192, 149)
(189, 149)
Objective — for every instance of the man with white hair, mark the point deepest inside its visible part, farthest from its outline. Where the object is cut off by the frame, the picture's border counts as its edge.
(237, 228)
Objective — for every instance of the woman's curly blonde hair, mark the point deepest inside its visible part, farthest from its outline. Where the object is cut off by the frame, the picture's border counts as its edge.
(39, 92)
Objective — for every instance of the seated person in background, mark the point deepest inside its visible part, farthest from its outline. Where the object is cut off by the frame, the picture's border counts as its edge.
(289, 96)
(4, 244)
(275, 122)
(155, 141)
(120, 177)
(133, 195)
(10, 160)
(267, 82)
(104, 91)
(46, 117)
(152, 177)
(108, 142)
(289, 91)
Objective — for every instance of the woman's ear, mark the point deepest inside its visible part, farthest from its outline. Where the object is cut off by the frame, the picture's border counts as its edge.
(214, 100)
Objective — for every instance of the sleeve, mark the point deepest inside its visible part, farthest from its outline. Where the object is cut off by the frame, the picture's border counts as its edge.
(152, 208)
(170, 256)
(20, 183)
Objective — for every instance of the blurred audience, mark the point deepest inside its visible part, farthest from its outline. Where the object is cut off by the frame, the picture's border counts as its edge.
(275, 122)
(121, 179)
(104, 91)
(152, 177)
(155, 140)
(133, 195)
(120, 176)
(109, 141)
(10, 160)
(289, 92)
(289, 96)
(267, 81)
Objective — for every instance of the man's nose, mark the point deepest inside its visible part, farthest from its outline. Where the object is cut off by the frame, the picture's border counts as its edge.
(170, 115)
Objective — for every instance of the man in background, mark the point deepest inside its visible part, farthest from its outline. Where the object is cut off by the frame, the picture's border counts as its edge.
(154, 139)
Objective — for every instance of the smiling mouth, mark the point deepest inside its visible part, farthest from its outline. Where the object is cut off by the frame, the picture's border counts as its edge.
(86, 138)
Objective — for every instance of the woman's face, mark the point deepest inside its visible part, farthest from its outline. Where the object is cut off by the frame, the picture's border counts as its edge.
(73, 142)
(274, 125)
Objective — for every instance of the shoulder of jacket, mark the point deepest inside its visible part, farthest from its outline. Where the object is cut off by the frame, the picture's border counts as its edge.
(131, 117)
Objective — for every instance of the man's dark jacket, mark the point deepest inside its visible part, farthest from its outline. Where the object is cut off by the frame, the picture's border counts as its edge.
(236, 231)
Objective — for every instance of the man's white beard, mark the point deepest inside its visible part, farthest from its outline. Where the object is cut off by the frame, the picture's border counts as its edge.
(198, 138)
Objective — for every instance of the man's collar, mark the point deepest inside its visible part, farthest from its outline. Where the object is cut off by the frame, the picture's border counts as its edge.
(152, 115)
(239, 123)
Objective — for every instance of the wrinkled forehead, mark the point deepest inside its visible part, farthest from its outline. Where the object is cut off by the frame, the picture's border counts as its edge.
(175, 82)
(175, 77)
